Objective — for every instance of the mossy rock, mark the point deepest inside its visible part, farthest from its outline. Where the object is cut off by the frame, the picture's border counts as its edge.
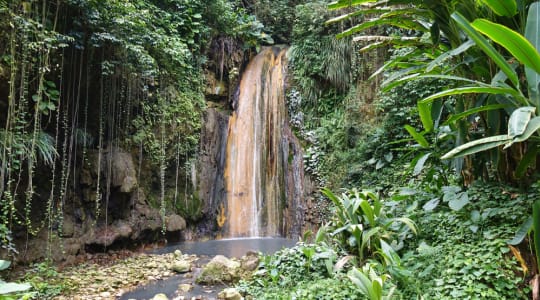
(219, 270)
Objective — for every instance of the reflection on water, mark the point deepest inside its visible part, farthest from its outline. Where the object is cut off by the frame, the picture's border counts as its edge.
(229, 247)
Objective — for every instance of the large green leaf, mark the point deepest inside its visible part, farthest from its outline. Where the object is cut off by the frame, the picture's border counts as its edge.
(472, 90)
(477, 146)
(419, 166)
(368, 211)
(356, 13)
(532, 33)
(419, 138)
(408, 222)
(11, 287)
(532, 127)
(364, 284)
(519, 120)
(401, 22)
(424, 110)
(4, 264)
(512, 41)
(506, 8)
(458, 202)
(347, 3)
(447, 55)
(486, 47)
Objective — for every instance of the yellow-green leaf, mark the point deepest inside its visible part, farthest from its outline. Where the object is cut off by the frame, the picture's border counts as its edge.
(507, 8)
(481, 42)
(512, 41)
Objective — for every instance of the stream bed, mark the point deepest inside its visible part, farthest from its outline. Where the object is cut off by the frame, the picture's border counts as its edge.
(205, 250)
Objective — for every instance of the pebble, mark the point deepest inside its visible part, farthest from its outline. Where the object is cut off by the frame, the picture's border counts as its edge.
(105, 294)
(110, 281)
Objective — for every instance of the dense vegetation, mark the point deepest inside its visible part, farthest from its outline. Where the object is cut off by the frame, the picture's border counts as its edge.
(78, 78)
(424, 113)
(424, 138)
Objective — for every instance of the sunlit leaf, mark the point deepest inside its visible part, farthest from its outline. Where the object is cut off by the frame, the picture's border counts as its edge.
(420, 164)
(477, 146)
(519, 120)
(532, 33)
(419, 138)
(486, 47)
(512, 41)
(507, 8)
(347, 3)
(431, 204)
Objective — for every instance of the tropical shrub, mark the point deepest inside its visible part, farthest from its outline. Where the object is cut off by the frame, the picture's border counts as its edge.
(363, 226)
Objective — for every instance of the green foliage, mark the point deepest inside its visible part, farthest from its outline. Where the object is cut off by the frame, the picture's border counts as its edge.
(465, 254)
(276, 15)
(6, 240)
(339, 287)
(43, 278)
(21, 144)
(319, 61)
(226, 18)
(455, 60)
(363, 225)
(369, 282)
(169, 122)
(304, 271)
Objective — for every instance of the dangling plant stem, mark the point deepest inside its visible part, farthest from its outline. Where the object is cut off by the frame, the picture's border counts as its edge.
(177, 170)
(162, 167)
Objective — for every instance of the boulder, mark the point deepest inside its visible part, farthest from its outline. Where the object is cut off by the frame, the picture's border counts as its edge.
(185, 287)
(160, 296)
(68, 228)
(250, 261)
(219, 270)
(230, 294)
(177, 253)
(123, 170)
(181, 266)
(106, 235)
(175, 222)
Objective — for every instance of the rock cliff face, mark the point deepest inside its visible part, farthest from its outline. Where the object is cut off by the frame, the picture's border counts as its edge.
(125, 215)
(210, 168)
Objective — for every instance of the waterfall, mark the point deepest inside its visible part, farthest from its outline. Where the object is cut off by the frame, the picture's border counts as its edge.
(257, 153)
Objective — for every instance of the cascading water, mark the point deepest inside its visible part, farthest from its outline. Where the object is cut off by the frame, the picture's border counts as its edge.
(256, 156)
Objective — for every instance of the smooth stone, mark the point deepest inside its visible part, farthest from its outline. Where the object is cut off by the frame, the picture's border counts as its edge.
(160, 296)
(230, 294)
(181, 266)
(184, 287)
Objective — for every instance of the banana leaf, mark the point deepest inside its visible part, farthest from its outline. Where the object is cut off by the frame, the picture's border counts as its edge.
(477, 146)
(532, 33)
(515, 43)
(506, 8)
(484, 44)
